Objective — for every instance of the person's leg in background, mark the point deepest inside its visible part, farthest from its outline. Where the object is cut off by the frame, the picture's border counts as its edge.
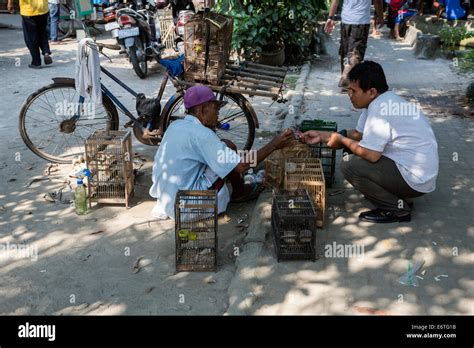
(42, 24)
(343, 51)
(356, 47)
(54, 21)
(30, 34)
(382, 184)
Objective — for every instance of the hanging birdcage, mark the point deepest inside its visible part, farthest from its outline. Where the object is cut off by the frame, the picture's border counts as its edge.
(109, 159)
(207, 41)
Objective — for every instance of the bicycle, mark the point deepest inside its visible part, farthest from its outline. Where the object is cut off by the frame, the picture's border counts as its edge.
(55, 122)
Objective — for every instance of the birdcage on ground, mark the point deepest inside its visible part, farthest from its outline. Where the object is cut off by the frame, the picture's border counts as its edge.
(109, 159)
(196, 230)
(294, 225)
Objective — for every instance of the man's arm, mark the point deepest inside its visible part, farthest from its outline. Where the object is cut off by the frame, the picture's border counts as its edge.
(353, 145)
(330, 23)
(10, 7)
(278, 142)
(354, 134)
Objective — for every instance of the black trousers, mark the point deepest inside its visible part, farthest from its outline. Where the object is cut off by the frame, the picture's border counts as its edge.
(352, 50)
(36, 36)
(380, 182)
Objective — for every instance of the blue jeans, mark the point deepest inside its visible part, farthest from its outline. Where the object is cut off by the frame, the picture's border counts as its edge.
(54, 21)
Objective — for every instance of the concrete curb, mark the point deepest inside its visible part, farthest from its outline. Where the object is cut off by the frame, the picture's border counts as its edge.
(297, 97)
(240, 291)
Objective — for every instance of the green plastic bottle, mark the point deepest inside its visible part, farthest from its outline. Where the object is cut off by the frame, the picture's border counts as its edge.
(80, 198)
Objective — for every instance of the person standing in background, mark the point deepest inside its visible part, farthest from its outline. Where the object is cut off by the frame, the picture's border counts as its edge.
(34, 17)
(354, 32)
(53, 6)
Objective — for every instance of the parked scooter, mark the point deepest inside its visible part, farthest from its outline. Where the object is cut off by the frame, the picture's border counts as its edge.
(137, 33)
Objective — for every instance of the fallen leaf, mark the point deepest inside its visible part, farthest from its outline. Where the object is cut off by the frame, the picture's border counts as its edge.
(368, 310)
(11, 180)
(97, 232)
(85, 259)
(148, 290)
(136, 265)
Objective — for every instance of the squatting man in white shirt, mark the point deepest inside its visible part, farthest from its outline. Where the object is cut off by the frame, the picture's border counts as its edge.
(392, 154)
(192, 157)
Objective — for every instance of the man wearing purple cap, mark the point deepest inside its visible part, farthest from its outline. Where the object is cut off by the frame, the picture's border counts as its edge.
(190, 156)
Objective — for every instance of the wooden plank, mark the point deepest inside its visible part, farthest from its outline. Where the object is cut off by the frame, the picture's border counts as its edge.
(254, 76)
(268, 67)
(249, 79)
(236, 90)
(257, 71)
(255, 86)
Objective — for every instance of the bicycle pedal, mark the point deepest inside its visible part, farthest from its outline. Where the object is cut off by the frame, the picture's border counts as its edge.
(128, 124)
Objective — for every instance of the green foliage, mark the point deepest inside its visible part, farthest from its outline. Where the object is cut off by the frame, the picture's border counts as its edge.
(466, 63)
(470, 94)
(452, 36)
(258, 23)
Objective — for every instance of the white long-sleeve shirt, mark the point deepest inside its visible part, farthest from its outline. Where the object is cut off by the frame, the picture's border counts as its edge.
(88, 71)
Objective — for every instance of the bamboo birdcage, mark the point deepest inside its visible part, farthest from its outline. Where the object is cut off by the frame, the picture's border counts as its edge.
(275, 163)
(294, 225)
(207, 41)
(109, 159)
(307, 173)
(196, 230)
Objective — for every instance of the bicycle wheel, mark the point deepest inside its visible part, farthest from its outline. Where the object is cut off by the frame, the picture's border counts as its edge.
(236, 122)
(47, 126)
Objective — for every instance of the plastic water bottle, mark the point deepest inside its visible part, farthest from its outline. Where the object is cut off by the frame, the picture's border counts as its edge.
(80, 198)
(260, 176)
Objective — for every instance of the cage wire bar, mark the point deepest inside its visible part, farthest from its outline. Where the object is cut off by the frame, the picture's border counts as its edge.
(294, 225)
(196, 230)
(207, 43)
(326, 154)
(307, 173)
(109, 159)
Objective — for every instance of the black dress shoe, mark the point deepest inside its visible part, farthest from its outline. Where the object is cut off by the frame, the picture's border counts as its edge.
(380, 216)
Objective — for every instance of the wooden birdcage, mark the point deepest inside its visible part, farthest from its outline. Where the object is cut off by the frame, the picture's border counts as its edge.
(294, 225)
(109, 159)
(307, 173)
(168, 35)
(207, 41)
(196, 230)
(275, 163)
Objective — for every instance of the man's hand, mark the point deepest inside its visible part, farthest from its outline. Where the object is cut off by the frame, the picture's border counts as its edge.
(314, 137)
(329, 26)
(283, 139)
(335, 140)
(10, 7)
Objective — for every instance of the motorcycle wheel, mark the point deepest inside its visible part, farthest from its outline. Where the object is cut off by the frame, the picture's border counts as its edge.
(138, 58)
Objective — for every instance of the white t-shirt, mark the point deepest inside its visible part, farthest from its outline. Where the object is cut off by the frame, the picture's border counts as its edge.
(190, 157)
(356, 11)
(400, 130)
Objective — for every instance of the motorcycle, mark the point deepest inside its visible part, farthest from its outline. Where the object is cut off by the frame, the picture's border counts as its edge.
(137, 33)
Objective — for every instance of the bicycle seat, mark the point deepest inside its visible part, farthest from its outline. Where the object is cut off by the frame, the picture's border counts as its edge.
(174, 66)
